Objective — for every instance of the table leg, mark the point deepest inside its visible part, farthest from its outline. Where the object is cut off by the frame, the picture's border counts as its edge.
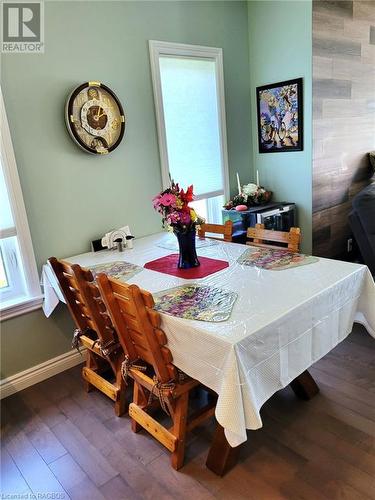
(221, 456)
(304, 386)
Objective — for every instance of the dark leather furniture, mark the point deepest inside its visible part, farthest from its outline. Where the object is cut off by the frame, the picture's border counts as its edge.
(362, 223)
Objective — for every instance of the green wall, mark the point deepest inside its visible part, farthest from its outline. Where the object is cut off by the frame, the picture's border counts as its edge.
(72, 197)
(280, 46)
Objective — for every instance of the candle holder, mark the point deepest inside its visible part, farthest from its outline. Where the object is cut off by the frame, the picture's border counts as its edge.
(251, 195)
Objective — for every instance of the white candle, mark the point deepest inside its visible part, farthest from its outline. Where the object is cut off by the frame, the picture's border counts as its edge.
(258, 178)
(238, 184)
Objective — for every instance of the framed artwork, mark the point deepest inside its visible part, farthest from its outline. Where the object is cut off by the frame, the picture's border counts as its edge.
(280, 117)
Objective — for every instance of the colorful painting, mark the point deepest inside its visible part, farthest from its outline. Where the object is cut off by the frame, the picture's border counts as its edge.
(119, 270)
(274, 259)
(202, 303)
(280, 120)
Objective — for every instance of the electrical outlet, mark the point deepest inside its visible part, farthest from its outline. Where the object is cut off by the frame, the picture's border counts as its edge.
(349, 245)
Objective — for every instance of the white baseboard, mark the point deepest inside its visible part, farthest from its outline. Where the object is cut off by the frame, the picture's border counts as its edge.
(41, 372)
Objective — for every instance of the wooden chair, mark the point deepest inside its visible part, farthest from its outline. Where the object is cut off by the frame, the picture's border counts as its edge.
(225, 229)
(94, 330)
(291, 239)
(149, 363)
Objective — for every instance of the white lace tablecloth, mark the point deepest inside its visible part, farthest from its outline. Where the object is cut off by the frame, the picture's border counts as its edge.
(281, 323)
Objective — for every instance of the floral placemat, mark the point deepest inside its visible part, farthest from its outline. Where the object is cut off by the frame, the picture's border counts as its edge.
(198, 302)
(274, 259)
(119, 270)
(199, 243)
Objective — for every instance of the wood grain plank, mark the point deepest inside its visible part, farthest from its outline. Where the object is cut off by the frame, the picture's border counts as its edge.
(372, 35)
(86, 490)
(329, 47)
(330, 88)
(177, 483)
(343, 49)
(124, 451)
(35, 398)
(33, 468)
(364, 9)
(336, 8)
(11, 479)
(349, 389)
(324, 448)
(327, 414)
(118, 488)
(75, 480)
(88, 457)
(330, 364)
(328, 464)
(67, 471)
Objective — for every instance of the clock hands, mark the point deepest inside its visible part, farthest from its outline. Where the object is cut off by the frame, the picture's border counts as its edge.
(99, 115)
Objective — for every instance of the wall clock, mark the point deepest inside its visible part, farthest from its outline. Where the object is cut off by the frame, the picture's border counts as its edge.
(95, 118)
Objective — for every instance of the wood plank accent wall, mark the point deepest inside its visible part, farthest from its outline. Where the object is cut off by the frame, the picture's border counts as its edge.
(343, 115)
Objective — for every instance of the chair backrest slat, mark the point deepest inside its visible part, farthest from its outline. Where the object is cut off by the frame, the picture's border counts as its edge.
(83, 299)
(259, 235)
(225, 229)
(135, 324)
(65, 276)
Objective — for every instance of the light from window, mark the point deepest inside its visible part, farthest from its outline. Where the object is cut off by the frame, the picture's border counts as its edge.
(191, 122)
(12, 263)
(189, 101)
(210, 208)
(4, 283)
(12, 279)
(19, 282)
(6, 217)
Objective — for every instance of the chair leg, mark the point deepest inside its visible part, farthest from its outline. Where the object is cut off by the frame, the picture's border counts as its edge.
(140, 400)
(90, 363)
(120, 404)
(179, 430)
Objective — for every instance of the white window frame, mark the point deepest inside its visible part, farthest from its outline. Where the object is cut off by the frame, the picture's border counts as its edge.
(33, 298)
(157, 49)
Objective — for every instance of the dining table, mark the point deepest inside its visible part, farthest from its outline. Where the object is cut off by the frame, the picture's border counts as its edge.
(280, 321)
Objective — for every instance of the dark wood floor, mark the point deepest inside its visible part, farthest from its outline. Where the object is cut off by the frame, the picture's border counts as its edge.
(56, 438)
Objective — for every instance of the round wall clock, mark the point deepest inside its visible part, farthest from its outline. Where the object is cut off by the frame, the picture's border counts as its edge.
(95, 118)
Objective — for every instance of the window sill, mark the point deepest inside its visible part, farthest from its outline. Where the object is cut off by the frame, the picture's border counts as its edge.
(22, 306)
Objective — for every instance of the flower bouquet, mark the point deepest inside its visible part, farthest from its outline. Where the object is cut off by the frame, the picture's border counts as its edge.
(250, 195)
(173, 205)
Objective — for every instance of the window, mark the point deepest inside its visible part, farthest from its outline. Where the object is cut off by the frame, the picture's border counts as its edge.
(189, 101)
(19, 282)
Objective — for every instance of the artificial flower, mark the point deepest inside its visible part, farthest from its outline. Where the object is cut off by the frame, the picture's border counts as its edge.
(185, 218)
(173, 205)
(156, 201)
(193, 215)
(178, 203)
(250, 189)
(167, 199)
(188, 196)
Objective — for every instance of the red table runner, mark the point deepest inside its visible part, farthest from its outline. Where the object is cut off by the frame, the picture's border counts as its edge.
(168, 265)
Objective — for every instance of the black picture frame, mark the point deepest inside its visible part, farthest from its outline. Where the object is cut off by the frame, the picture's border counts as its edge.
(280, 116)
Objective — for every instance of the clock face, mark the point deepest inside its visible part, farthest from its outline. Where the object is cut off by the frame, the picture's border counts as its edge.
(95, 118)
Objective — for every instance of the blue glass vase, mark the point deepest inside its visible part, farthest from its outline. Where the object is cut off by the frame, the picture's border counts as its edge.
(186, 242)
